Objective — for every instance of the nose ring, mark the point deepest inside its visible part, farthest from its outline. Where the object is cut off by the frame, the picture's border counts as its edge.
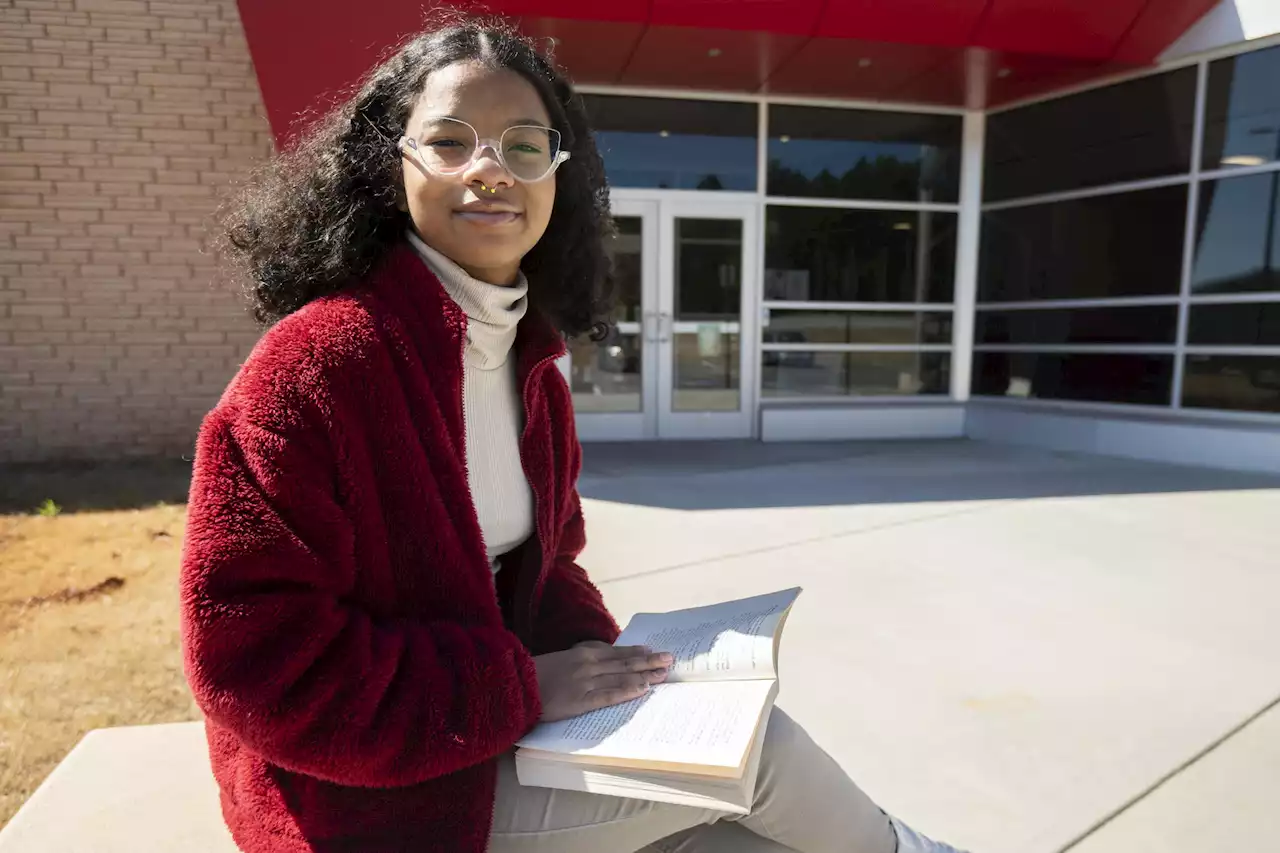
(488, 189)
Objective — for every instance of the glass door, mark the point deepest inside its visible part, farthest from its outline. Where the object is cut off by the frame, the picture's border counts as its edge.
(705, 321)
(674, 364)
(614, 381)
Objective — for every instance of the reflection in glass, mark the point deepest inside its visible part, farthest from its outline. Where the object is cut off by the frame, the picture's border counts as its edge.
(1238, 235)
(838, 153)
(1248, 383)
(671, 143)
(1122, 244)
(830, 255)
(605, 376)
(1235, 325)
(708, 313)
(855, 374)
(1126, 132)
(1156, 324)
(857, 327)
(1097, 377)
(1242, 110)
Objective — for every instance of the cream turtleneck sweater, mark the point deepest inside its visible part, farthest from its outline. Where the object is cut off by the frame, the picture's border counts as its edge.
(492, 409)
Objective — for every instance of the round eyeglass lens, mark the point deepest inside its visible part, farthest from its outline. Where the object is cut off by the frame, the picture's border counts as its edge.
(529, 151)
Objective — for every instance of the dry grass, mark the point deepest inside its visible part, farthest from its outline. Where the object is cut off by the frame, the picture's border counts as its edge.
(72, 662)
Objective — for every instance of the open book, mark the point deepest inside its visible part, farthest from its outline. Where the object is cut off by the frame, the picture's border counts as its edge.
(694, 739)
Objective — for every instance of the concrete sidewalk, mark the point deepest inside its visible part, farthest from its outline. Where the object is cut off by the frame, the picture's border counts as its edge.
(1018, 651)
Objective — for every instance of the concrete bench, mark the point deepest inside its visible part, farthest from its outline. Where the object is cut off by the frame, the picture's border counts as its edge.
(148, 788)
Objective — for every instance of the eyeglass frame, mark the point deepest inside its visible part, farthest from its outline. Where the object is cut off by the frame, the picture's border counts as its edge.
(494, 145)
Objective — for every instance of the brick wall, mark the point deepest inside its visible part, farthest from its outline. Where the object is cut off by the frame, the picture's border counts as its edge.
(120, 123)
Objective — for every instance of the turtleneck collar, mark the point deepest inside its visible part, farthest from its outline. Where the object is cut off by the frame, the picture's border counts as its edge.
(493, 310)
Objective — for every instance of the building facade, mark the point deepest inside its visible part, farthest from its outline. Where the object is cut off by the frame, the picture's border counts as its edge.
(839, 246)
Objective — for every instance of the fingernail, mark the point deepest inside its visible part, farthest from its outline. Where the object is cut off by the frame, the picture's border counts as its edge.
(666, 659)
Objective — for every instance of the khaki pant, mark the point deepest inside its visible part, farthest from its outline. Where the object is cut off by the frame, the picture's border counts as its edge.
(804, 802)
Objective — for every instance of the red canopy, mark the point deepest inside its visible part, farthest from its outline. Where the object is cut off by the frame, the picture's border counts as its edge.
(899, 50)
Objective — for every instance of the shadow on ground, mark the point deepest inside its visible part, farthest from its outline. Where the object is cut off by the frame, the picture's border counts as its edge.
(750, 475)
(90, 486)
(717, 475)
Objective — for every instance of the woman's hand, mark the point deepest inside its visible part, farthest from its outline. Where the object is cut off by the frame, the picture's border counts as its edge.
(594, 675)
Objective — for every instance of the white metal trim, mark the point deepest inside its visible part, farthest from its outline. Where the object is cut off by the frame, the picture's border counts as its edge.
(1071, 349)
(854, 401)
(751, 348)
(1207, 56)
(1202, 349)
(617, 194)
(863, 204)
(1089, 192)
(1102, 302)
(760, 98)
(1234, 298)
(968, 253)
(870, 307)
(1237, 171)
(1189, 233)
(817, 347)
(1085, 408)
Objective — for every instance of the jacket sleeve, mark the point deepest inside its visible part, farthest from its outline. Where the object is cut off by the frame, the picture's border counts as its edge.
(276, 652)
(572, 609)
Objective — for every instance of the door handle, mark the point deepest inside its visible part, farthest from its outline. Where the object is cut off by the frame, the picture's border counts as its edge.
(664, 327)
(651, 327)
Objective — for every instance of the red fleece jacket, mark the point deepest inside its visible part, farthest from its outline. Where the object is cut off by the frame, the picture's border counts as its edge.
(358, 670)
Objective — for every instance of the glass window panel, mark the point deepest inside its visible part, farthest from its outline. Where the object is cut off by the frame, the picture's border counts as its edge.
(1247, 383)
(827, 255)
(870, 154)
(1112, 325)
(1238, 235)
(673, 143)
(1097, 377)
(1125, 244)
(1235, 325)
(855, 374)
(1242, 110)
(708, 313)
(1126, 132)
(606, 376)
(707, 373)
(857, 327)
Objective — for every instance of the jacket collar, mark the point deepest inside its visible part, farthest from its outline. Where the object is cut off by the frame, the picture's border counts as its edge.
(406, 278)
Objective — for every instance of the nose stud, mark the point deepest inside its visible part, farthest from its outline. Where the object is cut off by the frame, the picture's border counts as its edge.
(488, 189)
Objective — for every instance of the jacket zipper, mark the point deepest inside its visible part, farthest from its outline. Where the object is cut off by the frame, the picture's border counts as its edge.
(527, 581)
(466, 463)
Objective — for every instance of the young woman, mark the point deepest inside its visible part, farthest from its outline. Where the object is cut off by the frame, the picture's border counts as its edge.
(379, 593)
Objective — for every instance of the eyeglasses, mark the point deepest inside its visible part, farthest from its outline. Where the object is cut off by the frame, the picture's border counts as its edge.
(448, 147)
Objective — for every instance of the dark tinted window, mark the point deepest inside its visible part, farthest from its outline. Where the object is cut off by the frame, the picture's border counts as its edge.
(858, 327)
(855, 374)
(1242, 110)
(835, 153)
(1134, 130)
(676, 144)
(1119, 325)
(1235, 325)
(1238, 235)
(1127, 244)
(1099, 377)
(827, 255)
(1248, 383)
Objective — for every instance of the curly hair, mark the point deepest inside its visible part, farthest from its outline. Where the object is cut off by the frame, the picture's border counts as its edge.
(324, 211)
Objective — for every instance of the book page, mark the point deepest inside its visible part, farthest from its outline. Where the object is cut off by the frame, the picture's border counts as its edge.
(720, 642)
(708, 725)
